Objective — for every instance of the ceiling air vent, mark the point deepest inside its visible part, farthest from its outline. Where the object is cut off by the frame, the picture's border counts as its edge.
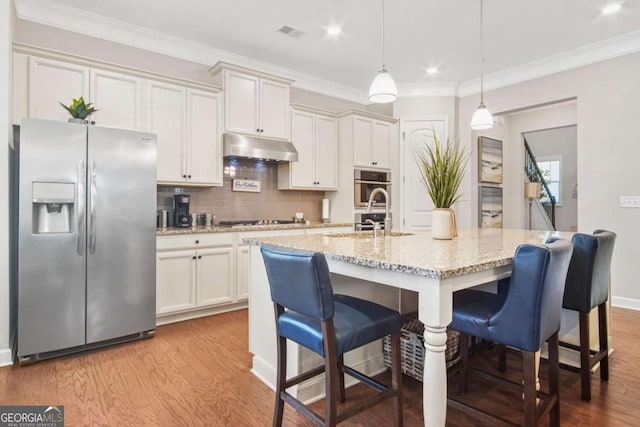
(290, 31)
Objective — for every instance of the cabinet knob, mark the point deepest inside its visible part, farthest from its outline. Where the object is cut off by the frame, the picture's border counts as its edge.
(199, 256)
(184, 176)
(261, 130)
(193, 257)
(197, 241)
(257, 130)
(189, 176)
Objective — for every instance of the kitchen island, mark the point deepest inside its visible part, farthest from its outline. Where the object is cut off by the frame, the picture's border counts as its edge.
(432, 268)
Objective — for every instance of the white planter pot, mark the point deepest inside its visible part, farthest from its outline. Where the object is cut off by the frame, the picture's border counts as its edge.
(443, 224)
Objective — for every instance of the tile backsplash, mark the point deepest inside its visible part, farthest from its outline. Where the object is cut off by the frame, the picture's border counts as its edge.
(226, 205)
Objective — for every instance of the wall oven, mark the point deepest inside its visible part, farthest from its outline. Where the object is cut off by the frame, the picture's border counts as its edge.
(365, 181)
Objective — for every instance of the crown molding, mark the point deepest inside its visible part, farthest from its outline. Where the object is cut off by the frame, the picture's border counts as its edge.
(79, 21)
(584, 55)
(427, 89)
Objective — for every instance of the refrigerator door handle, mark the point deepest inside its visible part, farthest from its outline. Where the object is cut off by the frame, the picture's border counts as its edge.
(80, 208)
(92, 208)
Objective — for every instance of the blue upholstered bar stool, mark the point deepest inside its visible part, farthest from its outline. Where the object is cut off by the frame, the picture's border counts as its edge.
(524, 318)
(587, 288)
(308, 313)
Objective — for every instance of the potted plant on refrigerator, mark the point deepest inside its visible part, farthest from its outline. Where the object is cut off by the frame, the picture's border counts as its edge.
(442, 168)
(79, 110)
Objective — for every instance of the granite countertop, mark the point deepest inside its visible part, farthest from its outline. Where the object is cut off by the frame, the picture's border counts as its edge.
(172, 231)
(475, 249)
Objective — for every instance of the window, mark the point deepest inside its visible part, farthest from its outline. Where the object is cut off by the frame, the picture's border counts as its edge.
(551, 168)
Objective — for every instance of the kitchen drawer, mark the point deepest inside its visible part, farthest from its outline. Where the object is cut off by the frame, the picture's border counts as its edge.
(194, 241)
(329, 230)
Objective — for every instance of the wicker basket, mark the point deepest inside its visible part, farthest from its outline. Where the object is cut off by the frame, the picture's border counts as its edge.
(412, 347)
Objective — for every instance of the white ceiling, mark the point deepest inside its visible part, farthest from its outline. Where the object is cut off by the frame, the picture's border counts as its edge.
(420, 33)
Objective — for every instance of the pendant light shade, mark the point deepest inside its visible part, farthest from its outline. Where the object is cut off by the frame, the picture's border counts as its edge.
(383, 89)
(482, 118)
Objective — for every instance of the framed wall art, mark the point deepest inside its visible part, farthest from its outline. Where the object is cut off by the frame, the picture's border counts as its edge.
(489, 160)
(490, 207)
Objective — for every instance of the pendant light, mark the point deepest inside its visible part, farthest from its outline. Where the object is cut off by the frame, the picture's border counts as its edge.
(383, 88)
(482, 118)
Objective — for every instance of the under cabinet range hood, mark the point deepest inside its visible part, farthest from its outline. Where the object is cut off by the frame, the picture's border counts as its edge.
(253, 147)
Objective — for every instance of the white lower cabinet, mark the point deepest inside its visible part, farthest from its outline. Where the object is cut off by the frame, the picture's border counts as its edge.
(175, 281)
(202, 274)
(194, 273)
(215, 272)
(242, 256)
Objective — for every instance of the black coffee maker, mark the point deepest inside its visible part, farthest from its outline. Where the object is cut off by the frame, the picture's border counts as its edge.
(181, 217)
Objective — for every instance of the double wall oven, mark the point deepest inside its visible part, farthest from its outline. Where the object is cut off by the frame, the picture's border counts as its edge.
(365, 182)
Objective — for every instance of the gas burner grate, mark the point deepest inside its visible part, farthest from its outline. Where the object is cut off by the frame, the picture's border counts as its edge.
(253, 222)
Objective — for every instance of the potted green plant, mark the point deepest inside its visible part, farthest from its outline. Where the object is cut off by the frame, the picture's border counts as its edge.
(442, 168)
(79, 110)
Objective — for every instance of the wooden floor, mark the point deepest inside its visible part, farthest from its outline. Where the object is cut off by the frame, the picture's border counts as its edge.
(198, 373)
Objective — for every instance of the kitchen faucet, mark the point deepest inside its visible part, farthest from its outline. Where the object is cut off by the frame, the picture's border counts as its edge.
(387, 217)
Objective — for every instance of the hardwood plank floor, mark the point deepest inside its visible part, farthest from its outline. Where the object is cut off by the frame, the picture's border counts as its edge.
(198, 373)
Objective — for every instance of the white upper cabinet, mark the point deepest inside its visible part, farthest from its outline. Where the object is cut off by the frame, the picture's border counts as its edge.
(371, 143)
(52, 82)
(118, 98)
(187, 124)
(242, 103)
(204, 156)
(186, 116)
(372, 138)
(255, 103)
(315, 136)
(274, 109)
(166, 117)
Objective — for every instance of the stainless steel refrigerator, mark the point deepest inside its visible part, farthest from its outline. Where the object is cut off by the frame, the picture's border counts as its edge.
(85, 240)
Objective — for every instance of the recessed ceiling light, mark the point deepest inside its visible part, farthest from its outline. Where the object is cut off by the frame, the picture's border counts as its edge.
(611, 9)
(432, 70)
(334, 30)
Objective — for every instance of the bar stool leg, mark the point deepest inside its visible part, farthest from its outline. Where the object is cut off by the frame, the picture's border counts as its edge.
(464, 360)
(396, 379)
(502, 357)
(529, 375)
(554, 374)
(585, 355)
(281, 380)
(604, 341)
(341, 390)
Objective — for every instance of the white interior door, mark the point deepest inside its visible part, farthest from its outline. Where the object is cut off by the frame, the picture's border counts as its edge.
(416, 206)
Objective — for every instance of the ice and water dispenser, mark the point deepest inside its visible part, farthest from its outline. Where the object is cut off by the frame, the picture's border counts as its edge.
(53, 207)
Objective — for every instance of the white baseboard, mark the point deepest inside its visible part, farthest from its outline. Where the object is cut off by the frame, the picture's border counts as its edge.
(5, 357)
(264, 371)
(165, 319)
(622, 302)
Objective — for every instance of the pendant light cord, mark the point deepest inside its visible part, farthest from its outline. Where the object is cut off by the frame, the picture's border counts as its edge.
(481, 53)
(383, 66)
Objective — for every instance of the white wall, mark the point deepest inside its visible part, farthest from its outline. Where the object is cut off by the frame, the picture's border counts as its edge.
(7, 23)
(608, 101)
(560, 142)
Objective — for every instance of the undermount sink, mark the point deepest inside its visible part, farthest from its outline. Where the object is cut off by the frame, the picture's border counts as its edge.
(369, 234)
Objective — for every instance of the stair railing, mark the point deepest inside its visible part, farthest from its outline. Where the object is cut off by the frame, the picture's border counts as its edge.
(535, 175)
